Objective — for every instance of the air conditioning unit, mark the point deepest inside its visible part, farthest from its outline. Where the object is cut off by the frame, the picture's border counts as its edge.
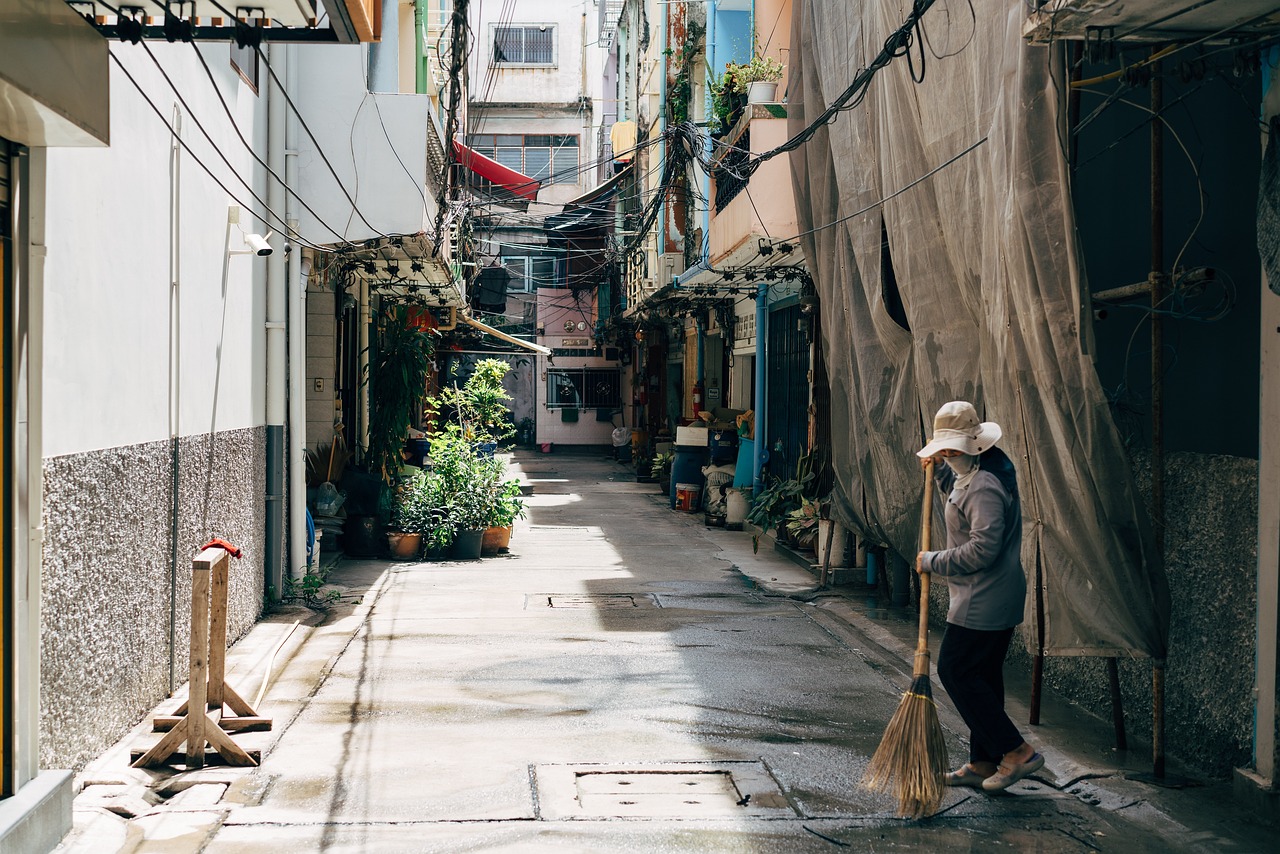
(671, 265)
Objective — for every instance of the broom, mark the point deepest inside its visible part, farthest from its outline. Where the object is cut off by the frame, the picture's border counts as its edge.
(912, 755)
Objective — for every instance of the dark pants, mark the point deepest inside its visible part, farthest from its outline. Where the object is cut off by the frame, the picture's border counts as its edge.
(971, 665)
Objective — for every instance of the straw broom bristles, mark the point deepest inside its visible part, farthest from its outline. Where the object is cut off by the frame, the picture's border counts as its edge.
(913, 753)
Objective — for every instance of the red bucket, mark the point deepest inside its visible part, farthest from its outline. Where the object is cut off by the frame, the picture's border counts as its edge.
(687, 497)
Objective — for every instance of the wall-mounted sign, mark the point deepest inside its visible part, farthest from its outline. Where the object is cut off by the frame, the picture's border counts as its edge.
(575, 342)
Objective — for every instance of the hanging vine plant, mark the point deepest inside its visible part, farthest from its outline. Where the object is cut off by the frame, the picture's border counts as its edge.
(397, 377)
(680, 93)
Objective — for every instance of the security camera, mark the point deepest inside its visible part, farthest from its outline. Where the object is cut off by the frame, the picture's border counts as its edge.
(258, 244)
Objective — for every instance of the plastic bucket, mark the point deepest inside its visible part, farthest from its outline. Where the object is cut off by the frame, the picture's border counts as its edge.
(737, 503)
(687, 468)
(687, 496)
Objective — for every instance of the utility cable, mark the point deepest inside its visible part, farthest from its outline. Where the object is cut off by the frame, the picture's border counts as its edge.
(172, 130)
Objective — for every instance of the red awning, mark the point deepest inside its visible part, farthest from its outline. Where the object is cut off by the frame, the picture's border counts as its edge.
(497, 174)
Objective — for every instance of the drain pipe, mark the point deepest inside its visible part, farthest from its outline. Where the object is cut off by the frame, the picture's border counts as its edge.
(420, 14)
(175, 372)
(297, 285)
(708, 149)
(762, 330)
(277, 301)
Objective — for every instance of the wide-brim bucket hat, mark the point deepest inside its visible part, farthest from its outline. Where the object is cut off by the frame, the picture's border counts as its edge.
(956, 427)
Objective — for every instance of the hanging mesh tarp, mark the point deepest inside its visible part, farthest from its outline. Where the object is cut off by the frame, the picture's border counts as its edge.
(966, 286)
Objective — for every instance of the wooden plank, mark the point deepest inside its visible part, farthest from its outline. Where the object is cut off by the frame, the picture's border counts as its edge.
(218, 632)
(233, 753)
(199, 671)
(164, 723)
(211, 758)
(232, 698)
(164, 748)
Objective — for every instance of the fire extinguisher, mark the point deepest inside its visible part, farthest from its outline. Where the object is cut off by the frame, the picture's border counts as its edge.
(697, 399)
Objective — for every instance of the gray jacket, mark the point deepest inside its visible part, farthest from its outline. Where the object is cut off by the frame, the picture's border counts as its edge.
(983, 559)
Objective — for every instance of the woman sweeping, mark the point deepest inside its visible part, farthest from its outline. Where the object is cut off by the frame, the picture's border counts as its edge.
(983, 570)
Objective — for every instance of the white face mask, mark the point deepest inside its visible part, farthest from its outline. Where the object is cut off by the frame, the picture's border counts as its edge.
(965, 467)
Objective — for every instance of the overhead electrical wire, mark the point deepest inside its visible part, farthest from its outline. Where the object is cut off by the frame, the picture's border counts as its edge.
(200, 162)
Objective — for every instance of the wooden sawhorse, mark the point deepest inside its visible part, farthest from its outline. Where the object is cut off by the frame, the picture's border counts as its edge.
(203, 717)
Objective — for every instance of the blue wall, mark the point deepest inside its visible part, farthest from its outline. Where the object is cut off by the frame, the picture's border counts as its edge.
(733, 39)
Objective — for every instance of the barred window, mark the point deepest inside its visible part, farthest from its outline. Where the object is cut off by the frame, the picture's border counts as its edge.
(584, 388)
(531, 45)
(549, 158)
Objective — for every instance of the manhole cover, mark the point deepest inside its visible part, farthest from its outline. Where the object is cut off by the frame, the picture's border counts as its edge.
(587, 601)
(682, 790)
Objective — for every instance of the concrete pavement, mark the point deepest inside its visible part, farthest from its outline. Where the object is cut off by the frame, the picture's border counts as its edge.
(622, 681)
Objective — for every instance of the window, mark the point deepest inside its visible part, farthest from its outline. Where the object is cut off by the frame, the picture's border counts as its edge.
(549, 158)
(530, 45)
(245, 61)
(584, 388)
(528, 273)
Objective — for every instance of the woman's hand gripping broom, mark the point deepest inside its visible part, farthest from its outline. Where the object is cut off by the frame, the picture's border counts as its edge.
(913, 753)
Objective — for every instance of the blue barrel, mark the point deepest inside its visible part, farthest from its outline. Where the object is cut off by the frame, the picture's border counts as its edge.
(723, 446)
(687, 467)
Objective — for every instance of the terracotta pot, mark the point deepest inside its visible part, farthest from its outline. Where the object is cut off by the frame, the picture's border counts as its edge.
(496, 539)
(404, 546)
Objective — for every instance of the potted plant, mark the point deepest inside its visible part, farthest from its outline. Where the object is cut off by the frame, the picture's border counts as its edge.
(479, 406)
(759, 79)
(464, 481)
(661, 470)
(438, 538)
(772, 506)
(802, 523)
(727, 102)
(504, 508)
(410, 517)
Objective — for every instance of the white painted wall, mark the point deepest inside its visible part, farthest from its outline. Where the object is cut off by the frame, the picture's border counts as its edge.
(107, 294)
(578, 74)
(376, 143)
(564, 81)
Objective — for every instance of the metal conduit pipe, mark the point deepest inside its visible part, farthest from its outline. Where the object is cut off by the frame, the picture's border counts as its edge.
(297, 286)
(762, 330)
(277, 307)
(420, 13)
(175, 374)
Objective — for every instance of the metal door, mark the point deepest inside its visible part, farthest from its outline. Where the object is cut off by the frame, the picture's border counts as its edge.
(787, 392)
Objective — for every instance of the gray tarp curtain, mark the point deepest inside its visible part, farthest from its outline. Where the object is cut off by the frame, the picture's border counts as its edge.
(986, 263)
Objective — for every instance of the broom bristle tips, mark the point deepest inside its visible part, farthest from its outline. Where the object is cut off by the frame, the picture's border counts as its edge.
(912, 756)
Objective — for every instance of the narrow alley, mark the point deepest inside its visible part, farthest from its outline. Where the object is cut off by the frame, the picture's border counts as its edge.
(624, 680)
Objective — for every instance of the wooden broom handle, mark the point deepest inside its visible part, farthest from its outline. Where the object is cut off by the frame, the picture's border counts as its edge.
(921, 667)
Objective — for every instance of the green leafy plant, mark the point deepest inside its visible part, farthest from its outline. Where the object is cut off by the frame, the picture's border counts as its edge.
(505, 505)
(415, 502)
(308, 591)
(681, 89)
(661, 466)
(761, 69)
(479, 406)
(802, 523)
(773, 504)
(464, 485)
(396, 376)
(726, 101)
